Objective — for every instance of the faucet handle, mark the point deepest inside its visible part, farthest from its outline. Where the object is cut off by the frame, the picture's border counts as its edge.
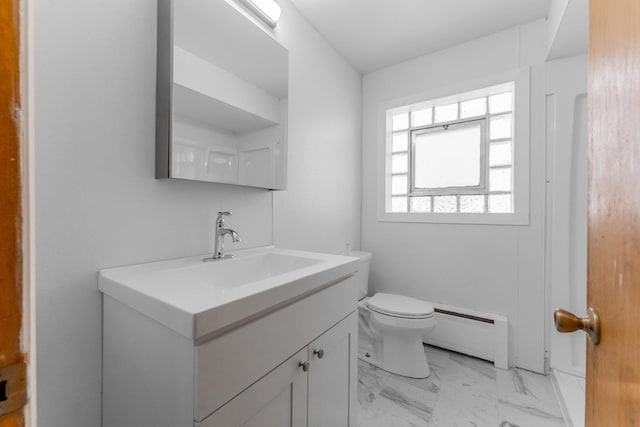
(220, 220)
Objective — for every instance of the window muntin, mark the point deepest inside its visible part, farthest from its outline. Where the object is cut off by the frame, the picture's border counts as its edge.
(418, 130)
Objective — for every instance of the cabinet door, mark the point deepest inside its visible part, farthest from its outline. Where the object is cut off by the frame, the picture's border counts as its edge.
(277, 399)
(333, 376)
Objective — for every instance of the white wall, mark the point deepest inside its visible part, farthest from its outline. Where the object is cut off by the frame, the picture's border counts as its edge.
(567, 28)
(322, 203)
(98, 205)
(498, 269)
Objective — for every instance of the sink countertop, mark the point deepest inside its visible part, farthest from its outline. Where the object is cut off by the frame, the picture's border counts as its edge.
(202, 299)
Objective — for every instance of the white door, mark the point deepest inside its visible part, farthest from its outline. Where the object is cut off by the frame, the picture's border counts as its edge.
(333, 376)
(277, 399)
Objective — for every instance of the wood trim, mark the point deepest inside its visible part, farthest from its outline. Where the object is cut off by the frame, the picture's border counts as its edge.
(10, 195)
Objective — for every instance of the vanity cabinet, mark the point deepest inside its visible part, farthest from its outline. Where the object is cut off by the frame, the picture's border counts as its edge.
(311, 388)
(293, 365)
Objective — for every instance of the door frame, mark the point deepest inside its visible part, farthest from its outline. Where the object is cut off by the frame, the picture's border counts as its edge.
(564, 287)
(17, 153)
(28, 205)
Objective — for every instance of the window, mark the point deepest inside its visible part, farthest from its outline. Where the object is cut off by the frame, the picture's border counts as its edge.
(453, 159)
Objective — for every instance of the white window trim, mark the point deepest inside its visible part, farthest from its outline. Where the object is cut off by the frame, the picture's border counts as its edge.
(521, 113)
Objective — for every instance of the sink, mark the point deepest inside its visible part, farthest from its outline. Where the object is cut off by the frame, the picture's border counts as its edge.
(242, 270)
(203, 299)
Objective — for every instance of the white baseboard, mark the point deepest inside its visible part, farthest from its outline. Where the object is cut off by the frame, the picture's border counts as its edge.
(570, 391)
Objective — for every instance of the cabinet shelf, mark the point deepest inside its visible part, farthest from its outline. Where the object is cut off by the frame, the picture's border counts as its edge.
(215, 113)
(210, 94)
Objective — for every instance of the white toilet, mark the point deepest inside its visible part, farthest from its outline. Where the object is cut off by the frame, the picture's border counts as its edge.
(390, 327)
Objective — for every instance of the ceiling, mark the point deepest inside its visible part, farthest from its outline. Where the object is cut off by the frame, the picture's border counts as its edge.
(373, 34)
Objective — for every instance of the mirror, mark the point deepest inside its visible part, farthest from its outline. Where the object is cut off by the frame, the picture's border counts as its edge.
(222, 87)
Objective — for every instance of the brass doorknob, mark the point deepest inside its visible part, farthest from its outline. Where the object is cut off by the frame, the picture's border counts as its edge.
(569, 322)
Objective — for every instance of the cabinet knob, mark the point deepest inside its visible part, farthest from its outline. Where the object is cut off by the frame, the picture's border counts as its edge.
(319, 352)
(304, 365)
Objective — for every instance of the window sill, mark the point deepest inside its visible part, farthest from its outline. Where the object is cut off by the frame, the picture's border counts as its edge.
(456, 218)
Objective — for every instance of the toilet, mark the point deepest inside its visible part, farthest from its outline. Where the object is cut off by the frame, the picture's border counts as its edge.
(390, 327)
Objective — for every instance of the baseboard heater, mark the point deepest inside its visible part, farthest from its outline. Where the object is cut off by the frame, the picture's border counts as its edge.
(483, 335)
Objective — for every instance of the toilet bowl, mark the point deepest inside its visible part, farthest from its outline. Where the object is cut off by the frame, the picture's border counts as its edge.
(390, 328)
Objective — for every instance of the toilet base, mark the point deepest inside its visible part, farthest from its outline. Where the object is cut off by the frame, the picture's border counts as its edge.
(410, 362)
(403, 354)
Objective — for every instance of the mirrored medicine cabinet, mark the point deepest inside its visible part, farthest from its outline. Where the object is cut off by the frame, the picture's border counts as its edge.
(222, 88)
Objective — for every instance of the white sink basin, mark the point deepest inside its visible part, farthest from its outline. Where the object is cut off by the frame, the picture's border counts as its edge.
(239, 271)
(202, 299)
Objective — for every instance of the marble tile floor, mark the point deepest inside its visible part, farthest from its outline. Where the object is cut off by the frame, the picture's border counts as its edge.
(461, 391)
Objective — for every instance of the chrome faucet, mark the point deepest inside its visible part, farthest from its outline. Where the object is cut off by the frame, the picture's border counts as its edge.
(218, 251)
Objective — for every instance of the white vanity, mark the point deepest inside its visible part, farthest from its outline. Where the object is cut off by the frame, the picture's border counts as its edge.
(267, 338)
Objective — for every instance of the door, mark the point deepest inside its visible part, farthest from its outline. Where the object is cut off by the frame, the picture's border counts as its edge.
(12, 368)
(277, 399)
(333, 376)
(613, 366)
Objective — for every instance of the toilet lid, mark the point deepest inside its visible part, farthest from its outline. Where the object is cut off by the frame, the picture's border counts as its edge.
(400, 306)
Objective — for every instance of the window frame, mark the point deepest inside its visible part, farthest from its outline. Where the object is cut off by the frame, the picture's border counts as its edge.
(519, 81)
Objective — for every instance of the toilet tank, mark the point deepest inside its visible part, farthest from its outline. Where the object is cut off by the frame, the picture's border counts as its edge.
(362, 276)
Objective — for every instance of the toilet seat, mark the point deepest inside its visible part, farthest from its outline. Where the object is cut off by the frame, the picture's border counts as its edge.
(400, 306)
